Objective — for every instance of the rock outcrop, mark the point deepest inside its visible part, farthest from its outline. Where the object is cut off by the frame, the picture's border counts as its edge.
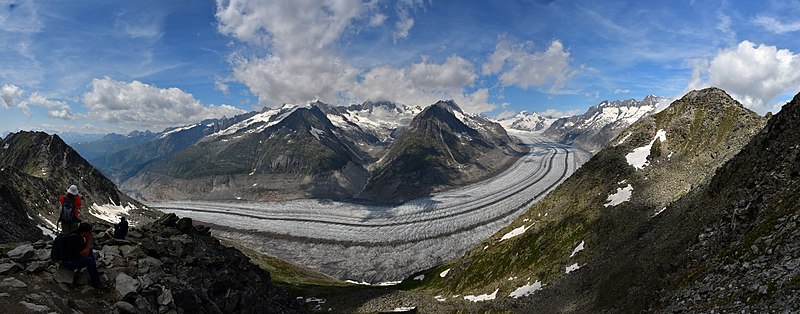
(170, 266)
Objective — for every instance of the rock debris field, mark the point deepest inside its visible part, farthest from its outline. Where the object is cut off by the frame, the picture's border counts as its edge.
(377, 244)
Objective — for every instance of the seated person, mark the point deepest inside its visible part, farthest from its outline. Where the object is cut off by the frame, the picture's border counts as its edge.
(78, 253)
(119, 231)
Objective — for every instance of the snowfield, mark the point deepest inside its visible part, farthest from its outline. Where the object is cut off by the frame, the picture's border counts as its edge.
(387, 243)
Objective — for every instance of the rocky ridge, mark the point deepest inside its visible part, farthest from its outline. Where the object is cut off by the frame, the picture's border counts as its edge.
(169, 266)
(601, 123)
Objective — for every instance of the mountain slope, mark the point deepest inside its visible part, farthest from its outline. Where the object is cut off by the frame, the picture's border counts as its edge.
(602, 122)
(571, 240)
(37, 168)
(437, 150)
(294, 152)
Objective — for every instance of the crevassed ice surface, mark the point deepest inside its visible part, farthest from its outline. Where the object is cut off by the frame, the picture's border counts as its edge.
(384, 243)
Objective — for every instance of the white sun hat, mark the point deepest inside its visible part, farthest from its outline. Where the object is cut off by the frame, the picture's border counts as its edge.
(73, 190)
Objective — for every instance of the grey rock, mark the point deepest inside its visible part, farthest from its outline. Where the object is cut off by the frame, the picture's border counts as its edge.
(125, 307)
(165, 298)
(22, 253)
(82, 304)
(142, 304)
(184, 225)
(4, 294)
(43, 254)
(36, 267)
(126, 284)
(150, 265)
(63, 275)
(12, 282)
(8, 268)
(34, 307)
(126, 250)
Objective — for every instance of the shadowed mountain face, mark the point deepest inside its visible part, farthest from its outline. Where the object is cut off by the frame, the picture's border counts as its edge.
(593, 240)
(437, 150)
(322, 151)
(37, 168)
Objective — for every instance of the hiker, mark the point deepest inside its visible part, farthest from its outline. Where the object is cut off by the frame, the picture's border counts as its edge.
(70, 203)
(77, 253)
(119, 231)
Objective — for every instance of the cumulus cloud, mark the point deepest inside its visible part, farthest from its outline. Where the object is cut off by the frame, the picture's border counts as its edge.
(774, 25)
(424, 83)
(8, 94)
(221, 86)
(754, 75)
(517, 66)
(57, 109)
(299, 36)
(137, 104)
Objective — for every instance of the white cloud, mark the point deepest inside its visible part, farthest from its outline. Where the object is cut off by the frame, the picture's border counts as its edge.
(8, 94)
(517, 66)
(621, 91)
(424, 83)
(20, 17)
(405, 21)
(221, 86)
(555, 113)
(377, 19)
(58, 109)
(139, 105)
(754, 75)
(299, 36)
(776, 26)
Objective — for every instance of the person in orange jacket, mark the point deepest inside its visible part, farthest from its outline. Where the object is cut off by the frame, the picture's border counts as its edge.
(70, 203)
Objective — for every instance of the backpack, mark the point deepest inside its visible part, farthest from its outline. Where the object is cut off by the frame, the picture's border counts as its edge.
(57, 252)
(67, 210)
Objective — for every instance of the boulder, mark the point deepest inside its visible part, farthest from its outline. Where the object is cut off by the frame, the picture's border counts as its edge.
(35, 307)
(22, 253)
(165, 298)
(63, 275)
(126, 284)
(82, 278)
(43, 254)
(8, 268)
(184, 225)
(36, 267)
(12, 282)
(168, 220)
(125, 307)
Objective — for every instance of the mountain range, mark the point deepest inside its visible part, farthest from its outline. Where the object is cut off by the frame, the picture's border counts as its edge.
(310, 150)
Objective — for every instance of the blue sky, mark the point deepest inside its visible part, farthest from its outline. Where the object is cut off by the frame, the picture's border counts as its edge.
(116, 66)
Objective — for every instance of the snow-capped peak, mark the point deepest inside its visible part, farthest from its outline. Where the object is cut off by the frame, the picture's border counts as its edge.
(527, 121)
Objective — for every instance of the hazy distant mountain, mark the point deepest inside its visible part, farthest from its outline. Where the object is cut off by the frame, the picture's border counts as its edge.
(602, 122)
(527, 121)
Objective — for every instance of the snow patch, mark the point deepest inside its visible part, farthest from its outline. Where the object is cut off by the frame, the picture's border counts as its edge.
(315, 300)
(316, 132)
(255, 184)
(572, 268)
(622, 195)
(420, 277)
(403, 309)
(623, 139)
(577, 249)
(440, 298)
(110, 212)
(515, 232)
(660, 211)
(176, 130)
(444, 273)
(482, 297)
(46, 231)
(5, 147)
(526, 290)
(638, 158)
